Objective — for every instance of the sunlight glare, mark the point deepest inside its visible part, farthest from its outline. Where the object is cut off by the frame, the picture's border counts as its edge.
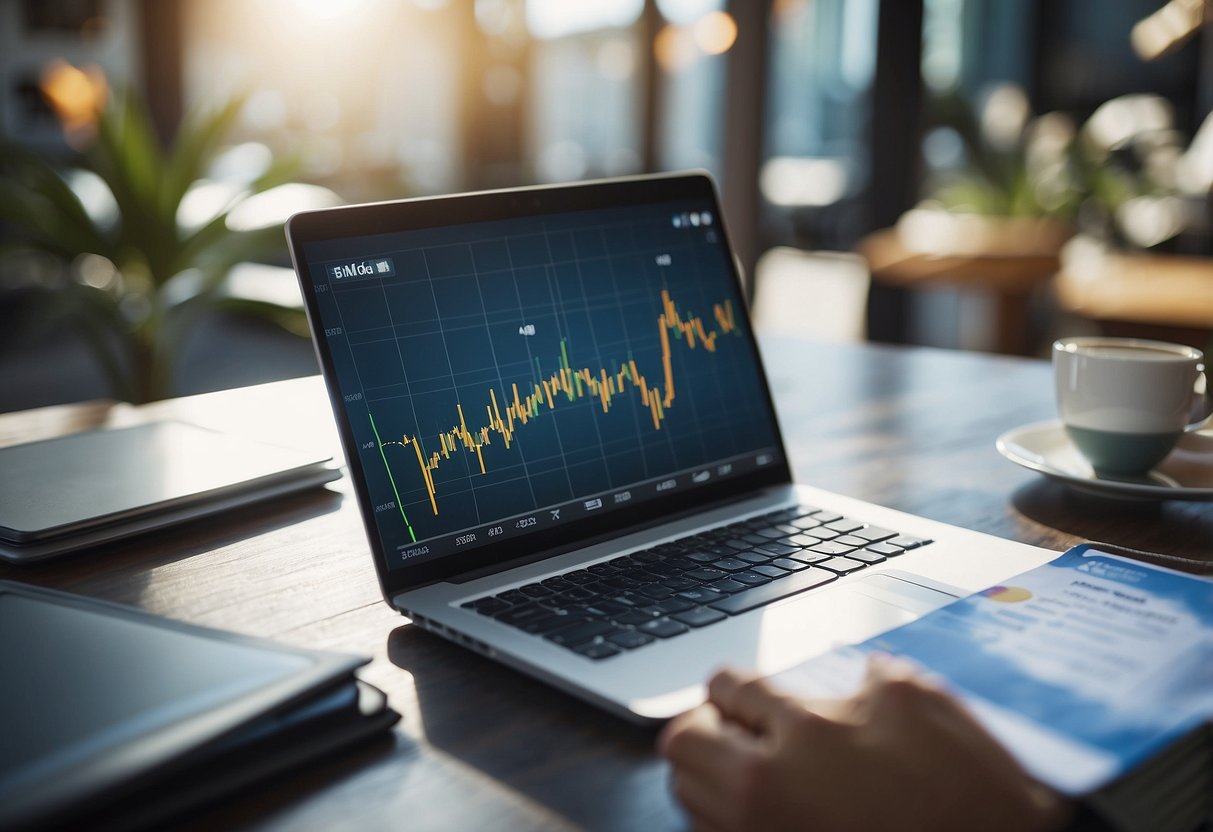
(551, 19)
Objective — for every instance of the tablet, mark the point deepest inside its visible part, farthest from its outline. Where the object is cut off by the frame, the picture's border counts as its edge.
(97, 696)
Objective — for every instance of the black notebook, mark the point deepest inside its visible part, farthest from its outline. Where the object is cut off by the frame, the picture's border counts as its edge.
(115, 718)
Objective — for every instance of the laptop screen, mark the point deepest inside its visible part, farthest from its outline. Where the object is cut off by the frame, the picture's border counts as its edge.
(503, 382)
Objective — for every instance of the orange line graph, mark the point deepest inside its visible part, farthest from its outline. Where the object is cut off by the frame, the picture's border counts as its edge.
(568, 384)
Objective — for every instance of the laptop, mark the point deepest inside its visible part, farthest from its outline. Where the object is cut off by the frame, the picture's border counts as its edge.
(566, 453)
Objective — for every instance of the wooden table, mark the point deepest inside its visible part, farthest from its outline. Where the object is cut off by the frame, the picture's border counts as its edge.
(1008, 276)
(1163, 296)
(481, 746)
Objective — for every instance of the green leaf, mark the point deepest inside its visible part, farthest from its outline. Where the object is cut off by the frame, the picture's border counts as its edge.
(263, 245)
(127, 156)
(197, 141)
(35, 198)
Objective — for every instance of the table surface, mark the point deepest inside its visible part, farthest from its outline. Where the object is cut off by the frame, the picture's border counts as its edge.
(482, 746)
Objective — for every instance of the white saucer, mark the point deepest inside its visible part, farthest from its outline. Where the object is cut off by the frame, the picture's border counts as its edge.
(1187, 474)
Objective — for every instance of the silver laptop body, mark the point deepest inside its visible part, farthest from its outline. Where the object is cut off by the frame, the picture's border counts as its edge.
(565, 452)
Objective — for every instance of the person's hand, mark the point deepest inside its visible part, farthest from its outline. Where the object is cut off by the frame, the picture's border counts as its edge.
(901, 754)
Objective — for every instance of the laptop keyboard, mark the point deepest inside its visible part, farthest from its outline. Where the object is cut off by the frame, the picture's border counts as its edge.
(659, 593)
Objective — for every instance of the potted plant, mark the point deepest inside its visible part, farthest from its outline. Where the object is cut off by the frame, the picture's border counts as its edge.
(105, 244)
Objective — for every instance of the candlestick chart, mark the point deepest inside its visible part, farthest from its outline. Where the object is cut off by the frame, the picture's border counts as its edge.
(492, 378)
(569, 384)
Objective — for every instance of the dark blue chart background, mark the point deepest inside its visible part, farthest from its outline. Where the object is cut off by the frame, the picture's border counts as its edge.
(481, 307)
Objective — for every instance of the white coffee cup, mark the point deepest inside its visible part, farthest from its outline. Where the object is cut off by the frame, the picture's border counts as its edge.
(1125, 401)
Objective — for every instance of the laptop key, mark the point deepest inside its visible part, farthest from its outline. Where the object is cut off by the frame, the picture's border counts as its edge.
(679, 584)
(552, 623)
(630, 639)
(673, 605)
(807, 556)
(728, 585)
(579, 576)
(885, 549)
(515, 616)
(805, 523)
(642, 576)
(771, 571)
(632, 618)
(655, 591)
(754, 557)
(850, 540)
(620, 582)
(772, 533)
(845, 525)
(774, 591)
(664, 570)
(596, 650)
(750, 578)
(731, 564)
(581, 631)
(905, 541)
(513, 596)
(699, 616)
(866, 556)
(821, 533)
(843, 566)
(874, 534)
(702, 595)
(487, 606)
(789, 564)
(777, 549)
(827, 517)
(604, 609)
(556, 603)
(704, 574)
(830, 547)
(663, 628)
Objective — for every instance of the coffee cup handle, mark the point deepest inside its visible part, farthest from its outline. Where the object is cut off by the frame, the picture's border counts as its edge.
(1203, 417)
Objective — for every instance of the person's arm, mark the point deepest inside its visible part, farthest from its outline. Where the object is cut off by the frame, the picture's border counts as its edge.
(901, 754)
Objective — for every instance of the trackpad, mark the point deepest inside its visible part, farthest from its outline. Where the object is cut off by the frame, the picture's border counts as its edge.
(844, 614)
(912, 593)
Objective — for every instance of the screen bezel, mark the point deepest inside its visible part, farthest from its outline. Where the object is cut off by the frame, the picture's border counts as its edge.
(333, 224)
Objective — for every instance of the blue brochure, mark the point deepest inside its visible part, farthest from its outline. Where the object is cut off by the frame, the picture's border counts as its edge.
(1082, 668)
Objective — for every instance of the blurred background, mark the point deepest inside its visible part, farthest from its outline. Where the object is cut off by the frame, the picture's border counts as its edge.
(968, 174)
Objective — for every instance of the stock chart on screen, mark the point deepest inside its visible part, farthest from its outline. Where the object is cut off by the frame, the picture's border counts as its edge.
(503, 377)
